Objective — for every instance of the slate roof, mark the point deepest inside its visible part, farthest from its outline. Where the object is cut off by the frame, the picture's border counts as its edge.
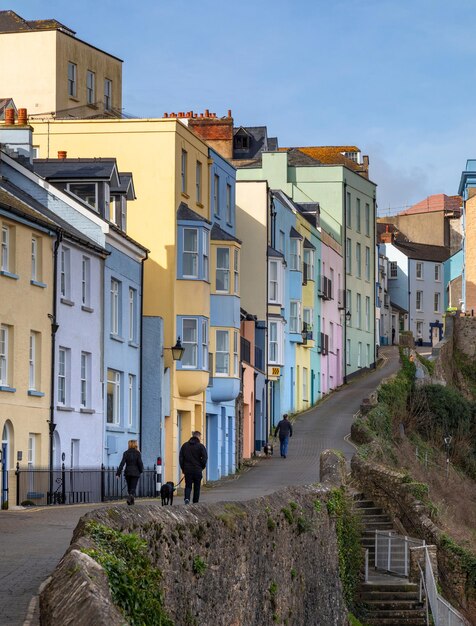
(258, 142)
(295, 234)
(422, 251)
(397, 307)
(185, 213)
(4, 104)
(73, 169)
(126, 186)
(218, 234)
(11, 22)
(308, 244)
(275, 253)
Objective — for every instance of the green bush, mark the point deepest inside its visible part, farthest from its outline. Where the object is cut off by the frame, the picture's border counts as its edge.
(379, 420)
(449, 411)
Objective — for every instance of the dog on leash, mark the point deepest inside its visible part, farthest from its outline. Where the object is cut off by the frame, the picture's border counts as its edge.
(268, 449)
(167, 493)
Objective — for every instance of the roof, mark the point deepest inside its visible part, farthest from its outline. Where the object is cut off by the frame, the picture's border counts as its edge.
(422, 251)
(73, 169)
(126, 186)
(6, 103)
(11, 22)
(308, 244)
(436, 202)
(332, 155)
(184, 212)
(272, 252)
(295, 234)
(218, 234)
(258, 136)
(397, 307)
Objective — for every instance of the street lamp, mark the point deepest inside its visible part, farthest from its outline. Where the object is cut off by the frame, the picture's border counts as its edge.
(177, 350)
(348, 315)
(447, 441)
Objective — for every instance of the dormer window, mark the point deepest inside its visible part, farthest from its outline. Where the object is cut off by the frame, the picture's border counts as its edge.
(353, 156)
(118, 211)
(87, 192)
(242, 142)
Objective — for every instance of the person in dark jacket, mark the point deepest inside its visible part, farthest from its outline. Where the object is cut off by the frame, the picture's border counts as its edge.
(132, 459)
(193, 460)
(285, 430)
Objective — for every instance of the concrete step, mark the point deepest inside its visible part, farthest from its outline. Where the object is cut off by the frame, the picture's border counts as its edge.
(359, 504)
(379, 526)
(369, 510)
(372, 519)
(395, 605)
(391, 621)
(388, 596)
(389, 586)
(397, 614)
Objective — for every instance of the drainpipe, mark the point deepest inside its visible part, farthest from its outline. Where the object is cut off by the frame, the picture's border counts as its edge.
(141, 326)
(375, 268)
(54, 328)
(344, 258)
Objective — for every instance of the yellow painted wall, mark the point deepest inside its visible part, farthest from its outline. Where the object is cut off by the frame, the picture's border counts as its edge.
(26, 414)
(152, 151)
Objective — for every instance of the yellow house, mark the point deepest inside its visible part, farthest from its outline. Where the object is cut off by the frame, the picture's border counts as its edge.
(171, 217)
(52, 73)
(26, 288)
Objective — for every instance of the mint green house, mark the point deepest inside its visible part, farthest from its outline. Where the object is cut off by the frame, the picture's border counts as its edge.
(347, 200)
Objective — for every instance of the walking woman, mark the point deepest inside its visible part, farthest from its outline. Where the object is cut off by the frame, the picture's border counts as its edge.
(134, 467)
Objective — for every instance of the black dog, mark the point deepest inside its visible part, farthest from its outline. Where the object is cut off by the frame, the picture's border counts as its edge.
(268, 449)
(167, 493)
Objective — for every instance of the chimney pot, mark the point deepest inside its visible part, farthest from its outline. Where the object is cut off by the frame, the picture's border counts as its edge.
(207, 113)
(166, 114)
(22, 117)
(229, 112)
(9, 117)
(62, 154)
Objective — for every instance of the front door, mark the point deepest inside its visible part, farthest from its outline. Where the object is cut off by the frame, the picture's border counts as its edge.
(435, 335)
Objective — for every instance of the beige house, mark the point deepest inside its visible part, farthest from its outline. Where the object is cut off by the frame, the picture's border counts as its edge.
(48, 70)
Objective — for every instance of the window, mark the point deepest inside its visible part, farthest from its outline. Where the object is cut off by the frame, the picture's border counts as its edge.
(359, 354)
(63, 375)
(419, 271)
(295, 317)
(437, 302)
(118, 211)
(347, 352)
(5, 259)
(87, 192)
(367, 313)
(348, 255)
(72, 79)
(348, 211)
(90, 87)
(107, 94)
(295, 255)
(438, 273)
(307, 318)
(222, 359)
(304, 384)
(358, 308)
(34, 258)
(357, 215)
(132, 314)
(308, 256)
(216, 194)
(223, 270)
(331, 336)
(393, 269)
(235, 354)
(236, 268)
(33, 378)
(113, 407)
(367, 363)
(273, 295)
(204, 344)
(115, 306)
(130, 401)
(358, 260)
(331, 286)
(190, 343)
(4, 337)
(419, 329)
(367, 219)
(85, 281)
(229, 211)
(419, 300)
(85, 399)
(198, 182)
(205, 246)
(190, 252)
(65, 275)
(367, 263)
(273, 342)
(183, 171)
(348, 303)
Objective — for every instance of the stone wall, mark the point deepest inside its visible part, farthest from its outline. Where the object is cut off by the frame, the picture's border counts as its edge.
(263, 565)
(392, 491)
(465, 335)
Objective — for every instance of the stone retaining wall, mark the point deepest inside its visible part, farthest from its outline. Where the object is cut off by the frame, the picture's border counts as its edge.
(263, 565)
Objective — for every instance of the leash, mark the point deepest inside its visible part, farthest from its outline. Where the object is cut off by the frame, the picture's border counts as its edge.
(179, 481)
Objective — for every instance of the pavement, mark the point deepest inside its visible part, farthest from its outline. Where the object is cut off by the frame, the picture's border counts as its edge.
(32, 541)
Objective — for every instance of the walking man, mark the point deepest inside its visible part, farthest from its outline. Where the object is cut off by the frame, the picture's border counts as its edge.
(285, 430)
(193, 460)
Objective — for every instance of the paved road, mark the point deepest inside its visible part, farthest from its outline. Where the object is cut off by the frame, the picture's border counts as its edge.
(33, 541)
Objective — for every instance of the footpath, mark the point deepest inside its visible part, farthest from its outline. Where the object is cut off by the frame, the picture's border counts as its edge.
(32, 541)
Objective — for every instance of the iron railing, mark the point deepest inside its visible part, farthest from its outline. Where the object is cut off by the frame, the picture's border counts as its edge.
(78, 485)
(392, 551)
(245, 350)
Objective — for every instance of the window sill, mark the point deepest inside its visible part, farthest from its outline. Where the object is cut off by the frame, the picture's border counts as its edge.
(200, 205)
(66, 301)
(87, 411)
(36, 394)
(38, 283)
(92, 106)
(87, 309)
(185, 195)
(116, 338)
(62, 407)
(9, 274)
(7, 389)
(114, 427)
(74, 99)
(133, 344)
(229, 224)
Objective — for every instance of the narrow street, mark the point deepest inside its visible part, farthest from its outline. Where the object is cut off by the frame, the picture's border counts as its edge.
(33, 541)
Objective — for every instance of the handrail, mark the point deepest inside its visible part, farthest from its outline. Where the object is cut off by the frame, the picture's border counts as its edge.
(392, 553)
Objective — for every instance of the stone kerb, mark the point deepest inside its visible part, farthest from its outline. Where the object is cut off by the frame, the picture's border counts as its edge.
(270, 559)
(332, 468)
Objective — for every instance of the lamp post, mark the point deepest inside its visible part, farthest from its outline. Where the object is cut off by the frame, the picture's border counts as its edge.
(177, 350)
(447, 441)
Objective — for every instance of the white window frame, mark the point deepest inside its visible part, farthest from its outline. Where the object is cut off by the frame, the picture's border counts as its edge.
(348, 352)
(216, 194)
(359, 354)
(295, 323)
(348, 210)
(295, 254)
(34, 258)
(86, 281)
(4, 340)
(132, 314)
(437, 272)
(236, 271)
(419, 272)
(72, 79)
(90, 87)
(223, 270)
(357, 215)
(419, 300)
(358, 259)
(275, 341)
(437, 302)
(307, 317)
(393, 270)
(229, 212)
(367, 219)
(95, 205)
(419, 328)
(367, 263)
(108, 94)
(192, 252)
(32, 369)
(273, 283)
(114, 379)
(183, 170)
(115, 306)
(63, 376)
(348, 255)
(308, 257)
(193, 344)
(204, 344)
(65, 272)
(85, 380)
(367, 313)
(236, 361)
(130, 400)
(358, 310)
(5, 256)
(223, 353)
(205, 254)
(198, 182)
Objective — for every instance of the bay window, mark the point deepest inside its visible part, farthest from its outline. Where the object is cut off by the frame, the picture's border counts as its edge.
(222, 356)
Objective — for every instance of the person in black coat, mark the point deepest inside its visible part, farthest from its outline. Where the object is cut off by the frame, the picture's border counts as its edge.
(193, 460)
(134, 467)
(285, 430)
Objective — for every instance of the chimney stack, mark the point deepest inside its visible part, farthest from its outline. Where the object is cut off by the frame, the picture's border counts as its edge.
(62, 154)
(387, 236)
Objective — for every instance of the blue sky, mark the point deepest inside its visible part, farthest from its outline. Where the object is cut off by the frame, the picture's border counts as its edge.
(394, 77)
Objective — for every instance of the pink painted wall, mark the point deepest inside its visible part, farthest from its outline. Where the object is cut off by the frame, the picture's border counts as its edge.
(248, 332)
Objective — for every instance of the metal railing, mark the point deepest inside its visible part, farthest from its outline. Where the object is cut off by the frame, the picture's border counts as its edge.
(392, 552)
(245, 347)
(78, 485)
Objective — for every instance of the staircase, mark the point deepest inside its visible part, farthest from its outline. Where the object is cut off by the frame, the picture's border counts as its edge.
(386, 599)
